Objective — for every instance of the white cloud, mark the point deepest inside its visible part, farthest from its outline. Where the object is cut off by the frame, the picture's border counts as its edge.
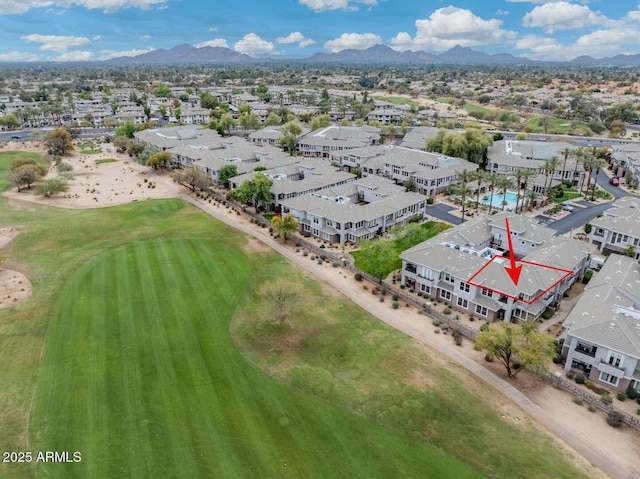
(356, 41)
(55, 43)
(252, 44)
(563, 16)
(451, 26)
(145, 37)
(8, 7)
(74, 56)
(324, 5)
(213, 29)
(106, 54)
(296, 37)
(19, 57)
(216, 42)
(539, 48)
(97, 38)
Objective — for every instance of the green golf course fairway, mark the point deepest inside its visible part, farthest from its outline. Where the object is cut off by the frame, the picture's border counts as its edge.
(140, 375)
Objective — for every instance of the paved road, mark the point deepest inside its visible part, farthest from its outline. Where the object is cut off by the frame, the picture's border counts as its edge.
(441, 211)
(39, 133)
(580, 216)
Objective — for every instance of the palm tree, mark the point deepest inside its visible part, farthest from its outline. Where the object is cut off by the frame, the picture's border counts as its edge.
(503, 184)
(465, 175)
(518, 178)
(598, 163)
(531, 197)
(588, 163)
(553, 164)
(463, 190)
(480, 176)
(492, 179)
(565, 152)
(579, 159)
(526, 176)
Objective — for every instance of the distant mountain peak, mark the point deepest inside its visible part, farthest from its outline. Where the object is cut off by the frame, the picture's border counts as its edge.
(186, 53)
(380, 53)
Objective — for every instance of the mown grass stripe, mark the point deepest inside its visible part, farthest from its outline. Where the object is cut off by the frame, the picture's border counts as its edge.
(130, 401)
(174, 405)
(97, 378)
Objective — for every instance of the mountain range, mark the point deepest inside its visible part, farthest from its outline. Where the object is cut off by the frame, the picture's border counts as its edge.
(189, 54)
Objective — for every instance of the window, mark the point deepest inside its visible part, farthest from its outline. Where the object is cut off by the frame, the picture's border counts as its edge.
(316, 220)
(426, 273)
(329, 223)
(464, 287)
(326, 236)
(481, 310)
(445, 294)
(425, 289)
(448, 278)
(609, 378)
(486, 292)
(463, 303)
(615, 359)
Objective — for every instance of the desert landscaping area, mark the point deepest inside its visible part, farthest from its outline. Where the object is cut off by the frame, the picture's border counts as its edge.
(101, 179)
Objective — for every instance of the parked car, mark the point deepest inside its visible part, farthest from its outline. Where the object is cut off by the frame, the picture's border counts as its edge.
(567, 207)
(615, 181)
(15, 137)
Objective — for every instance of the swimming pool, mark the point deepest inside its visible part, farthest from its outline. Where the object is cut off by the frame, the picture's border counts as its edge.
(510, 198)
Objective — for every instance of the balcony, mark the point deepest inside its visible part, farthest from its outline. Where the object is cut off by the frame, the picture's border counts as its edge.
(586, 350)
(411, 268)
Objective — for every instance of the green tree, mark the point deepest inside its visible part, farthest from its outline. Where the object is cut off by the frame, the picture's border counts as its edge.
(23, 176)
(320, 121)
(161, 159)
(163, 110)
(513, 345)
(249, 121)
(162, 91)
(127, 130)
(52, 187)
(284, 225)
(9, 121)
(377, 257)
(410, 184)
(546, 123)
(146, 152)
(59, 142)
(193, 178)
(225, 173)
(255, 192)
(289, 135)
(629, 251)
(226, 123)
(272, 120)
(617, 128)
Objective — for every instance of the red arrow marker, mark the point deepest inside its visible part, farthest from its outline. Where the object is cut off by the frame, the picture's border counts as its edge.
(514, 271)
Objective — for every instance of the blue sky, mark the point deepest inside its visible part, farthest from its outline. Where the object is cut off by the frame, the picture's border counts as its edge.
(72, 30)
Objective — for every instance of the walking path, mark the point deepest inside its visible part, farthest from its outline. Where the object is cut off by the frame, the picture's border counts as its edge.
(423, 332)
